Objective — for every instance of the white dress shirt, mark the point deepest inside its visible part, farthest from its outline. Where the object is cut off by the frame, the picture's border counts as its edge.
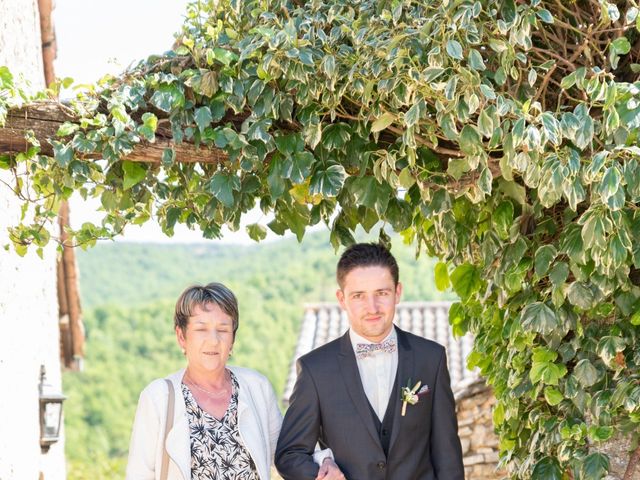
(377, 372)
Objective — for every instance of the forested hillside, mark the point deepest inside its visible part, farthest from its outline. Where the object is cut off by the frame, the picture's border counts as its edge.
(128, 291)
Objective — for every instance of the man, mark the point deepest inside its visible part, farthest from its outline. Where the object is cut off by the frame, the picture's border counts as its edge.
(350, 394)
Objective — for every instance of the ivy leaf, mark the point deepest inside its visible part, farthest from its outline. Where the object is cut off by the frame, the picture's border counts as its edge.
(168, 97)
(222, 185)
(63, 154)
(470, 141)
(335, 136)
(289, 144)
(553, 396)
(586, 373)
(301, 168)
(412, 115)
(260, 130)
(595, 466)
(454, 49)
(600, 434)
(476, 61)
(547, 469)
(168, 156)
(431, 73)
(203, 118)
(581, 296)
(67, 128)
(256, 232)
(559, 273)
(399, 214)
(327, 181)
(621, 46)
(485, 181)
(134, 173)
(365, 191)
(225, 57)
(545, 15)
(442, 276)
(465, 280)
(539, 317)
(149, 126)
(544, 257)
(382, 122)
(609, 347)
(503, 219)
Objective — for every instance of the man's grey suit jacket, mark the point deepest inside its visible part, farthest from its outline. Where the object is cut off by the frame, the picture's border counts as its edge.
(328, 404)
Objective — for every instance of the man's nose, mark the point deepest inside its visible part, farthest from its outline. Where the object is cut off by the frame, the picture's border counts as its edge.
(372, 305)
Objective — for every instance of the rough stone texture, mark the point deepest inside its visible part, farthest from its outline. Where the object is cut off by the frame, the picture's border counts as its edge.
(475, 402)
(20, 47)
(617, 449)
(28, 303)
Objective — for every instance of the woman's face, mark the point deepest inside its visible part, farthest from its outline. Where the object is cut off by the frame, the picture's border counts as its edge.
(208, 338)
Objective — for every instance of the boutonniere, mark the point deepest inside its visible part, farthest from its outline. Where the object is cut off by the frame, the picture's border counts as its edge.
(409, 396)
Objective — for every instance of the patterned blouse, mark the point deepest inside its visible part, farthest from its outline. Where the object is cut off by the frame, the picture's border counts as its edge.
(217, 451)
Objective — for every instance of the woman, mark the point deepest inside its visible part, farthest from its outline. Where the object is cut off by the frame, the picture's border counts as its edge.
(226, 419)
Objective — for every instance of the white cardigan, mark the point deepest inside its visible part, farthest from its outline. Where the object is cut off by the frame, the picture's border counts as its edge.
(259, 421)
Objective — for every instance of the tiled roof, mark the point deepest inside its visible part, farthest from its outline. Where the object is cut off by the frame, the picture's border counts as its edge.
(324, 322)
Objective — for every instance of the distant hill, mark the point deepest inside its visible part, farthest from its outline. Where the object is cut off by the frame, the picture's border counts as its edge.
(128, 291)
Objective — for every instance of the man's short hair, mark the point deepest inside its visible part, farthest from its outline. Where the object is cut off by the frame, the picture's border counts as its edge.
(202, 296)
(366, 255)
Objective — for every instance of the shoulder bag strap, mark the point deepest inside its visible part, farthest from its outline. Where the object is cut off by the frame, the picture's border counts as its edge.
(164, 470)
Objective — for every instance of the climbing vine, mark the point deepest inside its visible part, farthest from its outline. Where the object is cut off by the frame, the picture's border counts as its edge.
(499, 136)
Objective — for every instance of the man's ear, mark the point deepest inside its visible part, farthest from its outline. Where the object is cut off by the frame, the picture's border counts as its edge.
(340, 297)
(398, 292)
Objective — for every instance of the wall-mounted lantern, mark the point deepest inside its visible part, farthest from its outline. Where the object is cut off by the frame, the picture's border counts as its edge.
(50, 412)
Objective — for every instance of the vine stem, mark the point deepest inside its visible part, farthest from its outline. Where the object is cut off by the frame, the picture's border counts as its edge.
(631, 466)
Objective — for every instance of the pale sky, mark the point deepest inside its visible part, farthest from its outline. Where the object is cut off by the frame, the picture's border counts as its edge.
(96, 37)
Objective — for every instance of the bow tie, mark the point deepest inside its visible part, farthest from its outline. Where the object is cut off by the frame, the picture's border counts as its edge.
(364, 350)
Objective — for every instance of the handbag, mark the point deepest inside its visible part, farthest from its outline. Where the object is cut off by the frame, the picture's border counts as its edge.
(164, 469)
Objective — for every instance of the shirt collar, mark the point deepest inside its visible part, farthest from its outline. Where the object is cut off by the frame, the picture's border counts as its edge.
(355, 338)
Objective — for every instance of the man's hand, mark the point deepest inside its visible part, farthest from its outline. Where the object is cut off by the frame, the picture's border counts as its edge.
(329, 471)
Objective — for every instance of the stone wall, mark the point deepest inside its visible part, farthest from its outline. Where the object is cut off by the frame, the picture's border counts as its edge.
(29, 335)
(474, 402)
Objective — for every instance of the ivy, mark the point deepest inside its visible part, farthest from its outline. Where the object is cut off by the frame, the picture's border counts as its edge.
(500, 136)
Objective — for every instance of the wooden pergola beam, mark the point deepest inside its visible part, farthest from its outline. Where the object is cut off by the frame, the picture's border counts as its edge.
(45, 118)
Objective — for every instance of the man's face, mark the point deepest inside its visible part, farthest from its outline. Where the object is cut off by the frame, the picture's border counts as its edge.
(369, 297)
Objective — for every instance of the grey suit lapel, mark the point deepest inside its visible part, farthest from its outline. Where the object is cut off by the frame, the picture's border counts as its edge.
(405, 372)
(353, 384)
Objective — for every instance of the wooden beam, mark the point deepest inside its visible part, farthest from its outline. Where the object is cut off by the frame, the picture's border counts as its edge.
(44, 118)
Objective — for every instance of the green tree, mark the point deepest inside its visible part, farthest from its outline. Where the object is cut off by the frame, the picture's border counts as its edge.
(499, 136)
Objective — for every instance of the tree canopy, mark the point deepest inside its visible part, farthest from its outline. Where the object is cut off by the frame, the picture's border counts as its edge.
(500, 136)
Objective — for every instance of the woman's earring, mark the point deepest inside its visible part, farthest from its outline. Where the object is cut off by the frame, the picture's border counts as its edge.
(184, 352)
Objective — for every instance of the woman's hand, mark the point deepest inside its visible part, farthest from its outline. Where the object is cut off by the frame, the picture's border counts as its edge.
(329, 471)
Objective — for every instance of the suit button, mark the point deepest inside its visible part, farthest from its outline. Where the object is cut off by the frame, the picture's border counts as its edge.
(385, 432)
(381, 465)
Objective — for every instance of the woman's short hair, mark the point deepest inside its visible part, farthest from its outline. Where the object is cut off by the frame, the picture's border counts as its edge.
(201, 296)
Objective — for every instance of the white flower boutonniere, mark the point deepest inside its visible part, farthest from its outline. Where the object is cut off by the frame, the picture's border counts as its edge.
(408, 395)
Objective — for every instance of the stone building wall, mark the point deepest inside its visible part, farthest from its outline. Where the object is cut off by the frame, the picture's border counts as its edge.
(474, 403)
(29, 335)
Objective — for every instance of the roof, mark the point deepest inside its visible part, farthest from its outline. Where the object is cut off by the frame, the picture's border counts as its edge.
(324, 322)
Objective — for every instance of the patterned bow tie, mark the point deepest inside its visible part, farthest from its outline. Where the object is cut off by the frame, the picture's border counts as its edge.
(364, 350)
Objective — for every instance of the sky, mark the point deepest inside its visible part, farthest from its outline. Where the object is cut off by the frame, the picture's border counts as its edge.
(98, 37)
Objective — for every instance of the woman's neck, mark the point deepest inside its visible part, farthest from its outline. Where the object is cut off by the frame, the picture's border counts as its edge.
(207, 378)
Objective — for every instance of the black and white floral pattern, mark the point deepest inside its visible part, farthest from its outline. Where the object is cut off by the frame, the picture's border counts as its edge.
(217, 452)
